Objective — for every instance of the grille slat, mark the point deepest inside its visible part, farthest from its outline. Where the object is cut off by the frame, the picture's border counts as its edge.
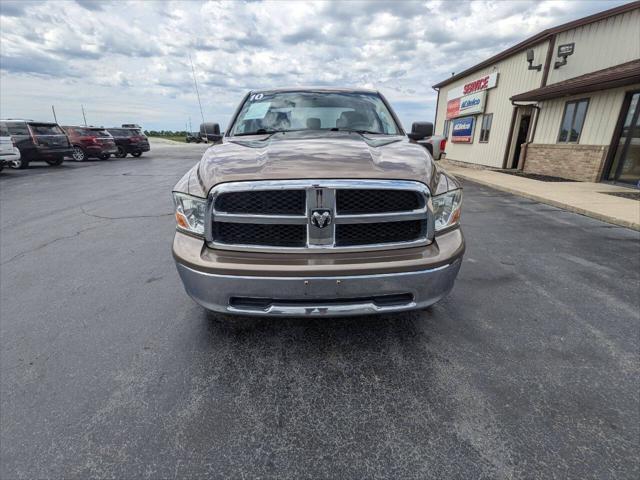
(265, 234)
(359, 201)
(263, 202)
(351, 234)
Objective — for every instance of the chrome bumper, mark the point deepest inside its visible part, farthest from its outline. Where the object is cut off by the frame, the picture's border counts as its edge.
(319, 296)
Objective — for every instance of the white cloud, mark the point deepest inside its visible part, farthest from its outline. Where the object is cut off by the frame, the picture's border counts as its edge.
(128, 61)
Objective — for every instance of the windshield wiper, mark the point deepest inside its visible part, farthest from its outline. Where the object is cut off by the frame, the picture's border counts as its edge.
(355, 130)
(260, 131)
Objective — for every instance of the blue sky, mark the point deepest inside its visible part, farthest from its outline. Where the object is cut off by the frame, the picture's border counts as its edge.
(128, 61)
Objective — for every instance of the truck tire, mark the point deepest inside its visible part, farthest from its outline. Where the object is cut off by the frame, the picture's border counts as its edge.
(55, 161)
(79, 154)
(121, 152)
(20, 164)
(136, 154)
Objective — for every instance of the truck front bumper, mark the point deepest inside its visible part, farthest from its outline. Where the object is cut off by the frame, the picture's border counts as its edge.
(362, 284)
(319, 296)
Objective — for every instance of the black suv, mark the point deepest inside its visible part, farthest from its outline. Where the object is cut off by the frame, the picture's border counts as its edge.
(129, 140)
(38, 141)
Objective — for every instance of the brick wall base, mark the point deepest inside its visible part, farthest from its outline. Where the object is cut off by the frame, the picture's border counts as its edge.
(575, 162)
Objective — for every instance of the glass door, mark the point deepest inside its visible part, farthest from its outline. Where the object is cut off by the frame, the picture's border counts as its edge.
(625, 166)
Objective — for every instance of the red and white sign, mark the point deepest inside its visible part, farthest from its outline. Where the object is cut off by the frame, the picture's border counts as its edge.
(478, 85)
(453, 108)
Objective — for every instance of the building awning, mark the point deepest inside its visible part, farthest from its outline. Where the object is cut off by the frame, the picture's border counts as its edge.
(612, 77)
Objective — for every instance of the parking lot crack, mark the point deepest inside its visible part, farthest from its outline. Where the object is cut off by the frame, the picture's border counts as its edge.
(50, 242)
(124, 217)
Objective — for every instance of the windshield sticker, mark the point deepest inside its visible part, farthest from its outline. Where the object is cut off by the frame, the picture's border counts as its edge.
(257, 110)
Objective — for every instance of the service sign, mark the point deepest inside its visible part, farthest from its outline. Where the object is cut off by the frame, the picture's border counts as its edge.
(462, 131)
(467, 105)
(478, 85)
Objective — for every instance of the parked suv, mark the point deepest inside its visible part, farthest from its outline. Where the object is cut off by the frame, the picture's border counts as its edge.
(317, 203)
(129, 140)
(9, 153)
(90, 142)
(38, 141)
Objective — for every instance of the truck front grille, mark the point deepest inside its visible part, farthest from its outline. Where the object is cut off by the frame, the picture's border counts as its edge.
(319, 215)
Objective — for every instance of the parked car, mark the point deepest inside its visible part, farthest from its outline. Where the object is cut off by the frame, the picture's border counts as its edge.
(90, 142)
(9, 153)
(129, 140)
(317, 204)
(193, 137)
(436, 144)
(210, 132)
(38, 141)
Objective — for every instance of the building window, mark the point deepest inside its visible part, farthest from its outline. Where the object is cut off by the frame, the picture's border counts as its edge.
(573, 121)
(485, 129)
(445, 129)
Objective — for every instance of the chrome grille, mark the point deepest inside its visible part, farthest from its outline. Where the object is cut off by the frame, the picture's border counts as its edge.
(319, 215)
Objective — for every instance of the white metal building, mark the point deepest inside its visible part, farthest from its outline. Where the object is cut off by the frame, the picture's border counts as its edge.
(565, 102)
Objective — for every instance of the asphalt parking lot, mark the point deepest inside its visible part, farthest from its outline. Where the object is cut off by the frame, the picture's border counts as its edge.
(529, 369)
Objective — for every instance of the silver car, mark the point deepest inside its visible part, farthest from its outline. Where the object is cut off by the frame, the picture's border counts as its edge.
(9, 153)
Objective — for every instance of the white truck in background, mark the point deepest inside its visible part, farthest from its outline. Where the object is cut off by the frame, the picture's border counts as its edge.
(435, 144)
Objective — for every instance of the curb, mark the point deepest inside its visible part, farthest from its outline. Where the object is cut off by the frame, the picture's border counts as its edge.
(554, 203)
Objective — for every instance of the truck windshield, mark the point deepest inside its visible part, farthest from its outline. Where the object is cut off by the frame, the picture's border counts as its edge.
(293, 111)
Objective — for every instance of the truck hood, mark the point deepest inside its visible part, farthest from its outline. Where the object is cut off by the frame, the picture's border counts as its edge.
(301, 155)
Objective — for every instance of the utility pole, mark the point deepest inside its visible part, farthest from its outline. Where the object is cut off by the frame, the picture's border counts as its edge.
(190, 128)
(84, 116)
(53, 109)
(195, 82)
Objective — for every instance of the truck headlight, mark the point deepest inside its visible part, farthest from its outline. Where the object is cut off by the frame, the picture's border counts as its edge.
(446, 209)
(190, 213)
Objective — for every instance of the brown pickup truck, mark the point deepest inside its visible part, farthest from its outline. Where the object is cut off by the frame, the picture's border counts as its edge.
(317, 203)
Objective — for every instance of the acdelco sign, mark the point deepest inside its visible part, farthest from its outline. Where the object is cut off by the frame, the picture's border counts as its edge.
(478, 85)
(471, 104)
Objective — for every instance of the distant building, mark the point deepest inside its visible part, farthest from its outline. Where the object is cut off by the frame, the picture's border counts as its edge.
(565, 102)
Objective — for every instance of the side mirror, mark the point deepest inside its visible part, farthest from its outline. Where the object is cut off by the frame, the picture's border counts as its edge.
(421, 130)
(210, 128)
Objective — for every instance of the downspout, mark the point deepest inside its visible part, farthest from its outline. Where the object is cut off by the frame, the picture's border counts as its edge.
(435, 117)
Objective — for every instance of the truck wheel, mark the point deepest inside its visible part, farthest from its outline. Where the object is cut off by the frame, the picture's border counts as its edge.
(78, 154)
(136, 154)
(121, 152)
(20, 164)
(104, 156)
(55, 161)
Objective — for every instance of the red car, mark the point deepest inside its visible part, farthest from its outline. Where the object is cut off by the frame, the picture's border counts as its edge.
(90, 142)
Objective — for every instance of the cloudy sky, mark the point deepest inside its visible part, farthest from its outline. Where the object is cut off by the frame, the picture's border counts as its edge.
(128, 61)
